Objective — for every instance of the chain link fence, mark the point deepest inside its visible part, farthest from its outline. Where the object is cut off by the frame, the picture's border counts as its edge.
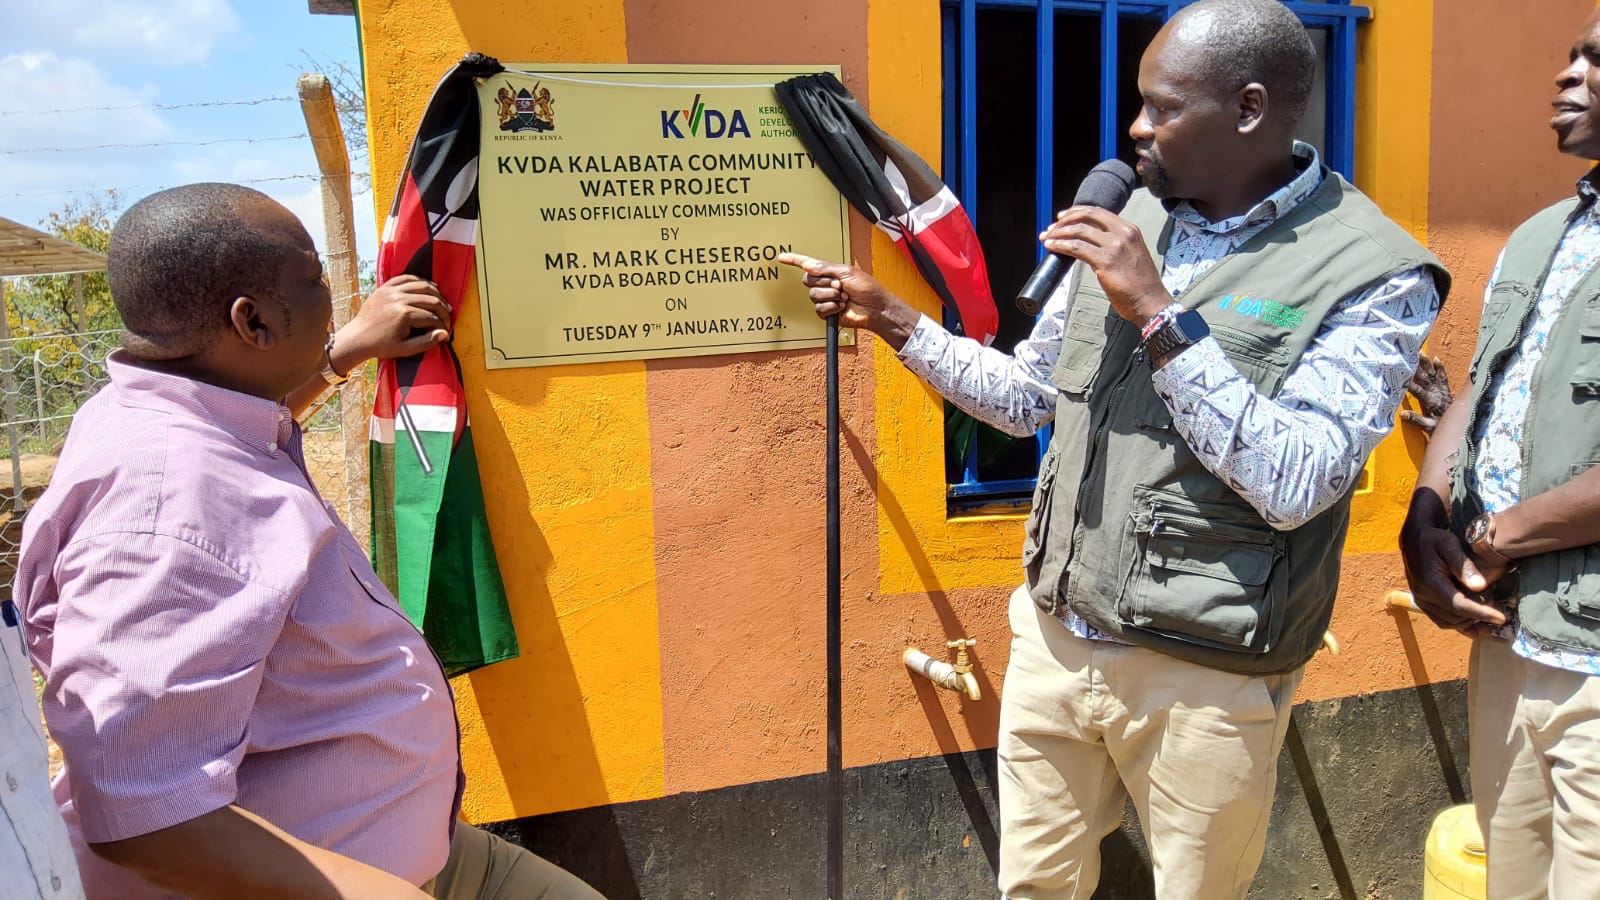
(45, 379)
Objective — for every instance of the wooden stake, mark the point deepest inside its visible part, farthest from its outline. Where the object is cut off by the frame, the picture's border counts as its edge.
(344, 279)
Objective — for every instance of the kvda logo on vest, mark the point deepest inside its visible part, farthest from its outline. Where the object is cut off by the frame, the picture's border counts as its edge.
(701, 122)
(1270, 311)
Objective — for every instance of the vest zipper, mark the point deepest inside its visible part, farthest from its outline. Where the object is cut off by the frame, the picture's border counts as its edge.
(1470, 463)
(1089, 470)
(1202, 527)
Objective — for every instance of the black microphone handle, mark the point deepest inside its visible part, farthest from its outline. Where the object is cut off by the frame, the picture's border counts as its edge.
(1042, 283)
(1107, 186)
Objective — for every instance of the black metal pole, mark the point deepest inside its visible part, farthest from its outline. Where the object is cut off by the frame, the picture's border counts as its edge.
(835, 777)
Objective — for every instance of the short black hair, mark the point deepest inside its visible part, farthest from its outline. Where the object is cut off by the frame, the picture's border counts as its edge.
(1255, 41)
(177, 260)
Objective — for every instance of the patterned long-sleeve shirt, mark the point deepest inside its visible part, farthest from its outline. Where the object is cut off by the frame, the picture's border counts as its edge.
(1497, 468)
(1336, 403)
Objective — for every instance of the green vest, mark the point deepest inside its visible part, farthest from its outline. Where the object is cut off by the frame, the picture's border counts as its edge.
(1129, 530)
(1559, 593)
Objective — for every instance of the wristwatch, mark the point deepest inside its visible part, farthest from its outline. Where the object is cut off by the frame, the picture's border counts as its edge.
(1185, 328)
(1480, 539)
(333, 378)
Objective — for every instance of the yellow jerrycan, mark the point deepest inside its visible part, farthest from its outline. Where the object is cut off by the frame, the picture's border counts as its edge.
(1454, 865)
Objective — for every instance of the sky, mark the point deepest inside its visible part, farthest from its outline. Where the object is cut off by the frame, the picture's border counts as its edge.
(78, 74)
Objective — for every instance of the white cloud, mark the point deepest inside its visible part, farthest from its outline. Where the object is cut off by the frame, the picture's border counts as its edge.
(33, 86)
(220, 164)
(167, 32)
(307, 205)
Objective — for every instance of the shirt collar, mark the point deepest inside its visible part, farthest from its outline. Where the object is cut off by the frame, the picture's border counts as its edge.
(260, 424)
(1588, 188)
(1279, 202)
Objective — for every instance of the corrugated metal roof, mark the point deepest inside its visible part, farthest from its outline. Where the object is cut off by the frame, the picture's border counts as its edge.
(29, 251)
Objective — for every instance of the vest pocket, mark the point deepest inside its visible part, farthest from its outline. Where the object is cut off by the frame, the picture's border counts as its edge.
(1083, 340)
(1203, 572)
(1153, 415)
(1502, 295)
(1035, 532)
(1578, 579)
(1586, 376)
(1265, 361)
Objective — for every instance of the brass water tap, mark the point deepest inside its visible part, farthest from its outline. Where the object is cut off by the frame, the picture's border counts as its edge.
(963, 664)
(956, 677)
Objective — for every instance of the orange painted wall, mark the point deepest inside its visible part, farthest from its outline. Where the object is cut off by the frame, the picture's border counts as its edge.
(736, 450)
(661, 524)
(1495, 161)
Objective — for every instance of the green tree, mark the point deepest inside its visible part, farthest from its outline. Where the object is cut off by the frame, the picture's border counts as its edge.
(48, 304)
(56, 356)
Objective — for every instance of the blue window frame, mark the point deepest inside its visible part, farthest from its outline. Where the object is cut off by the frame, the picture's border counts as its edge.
(986, 123)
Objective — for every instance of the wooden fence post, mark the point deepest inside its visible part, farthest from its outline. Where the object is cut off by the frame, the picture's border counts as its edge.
(344, 279)
(8, 384)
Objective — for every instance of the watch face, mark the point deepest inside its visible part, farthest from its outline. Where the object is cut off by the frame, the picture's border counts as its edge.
(1477, 529)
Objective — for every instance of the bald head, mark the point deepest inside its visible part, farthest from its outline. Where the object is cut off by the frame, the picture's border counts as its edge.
(179, 258)
(1231, 43)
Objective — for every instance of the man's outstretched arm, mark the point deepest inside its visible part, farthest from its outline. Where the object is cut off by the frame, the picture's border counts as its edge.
(234, 854)
(1010, 392)
(404, 316)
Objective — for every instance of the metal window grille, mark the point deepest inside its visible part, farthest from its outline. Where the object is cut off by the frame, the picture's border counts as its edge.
(1333, 27)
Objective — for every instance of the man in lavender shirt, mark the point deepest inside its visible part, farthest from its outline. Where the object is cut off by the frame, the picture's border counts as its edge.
(243, 708)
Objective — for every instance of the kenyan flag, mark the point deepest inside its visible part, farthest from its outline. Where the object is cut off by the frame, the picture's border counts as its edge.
(898, 192)
(430, 536)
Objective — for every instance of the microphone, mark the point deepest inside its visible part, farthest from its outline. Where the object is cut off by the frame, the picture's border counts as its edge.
(1108, 186)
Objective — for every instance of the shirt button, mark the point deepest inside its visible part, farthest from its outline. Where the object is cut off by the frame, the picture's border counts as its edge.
(55, 882)
(11, 783)
(272, 447)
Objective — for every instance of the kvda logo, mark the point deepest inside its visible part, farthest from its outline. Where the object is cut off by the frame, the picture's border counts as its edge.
(701, 122)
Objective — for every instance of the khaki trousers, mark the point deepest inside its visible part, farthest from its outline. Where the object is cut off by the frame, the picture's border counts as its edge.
(1535, 747)
(1086, 724)
(484, 867)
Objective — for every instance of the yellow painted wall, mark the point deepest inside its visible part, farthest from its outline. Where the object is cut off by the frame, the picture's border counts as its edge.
(1393, 99)
(659, 524)
(565, 458)
(1382, 649)
(922, 549)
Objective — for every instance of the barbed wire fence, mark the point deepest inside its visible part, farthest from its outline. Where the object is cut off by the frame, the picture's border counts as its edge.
(45, 379)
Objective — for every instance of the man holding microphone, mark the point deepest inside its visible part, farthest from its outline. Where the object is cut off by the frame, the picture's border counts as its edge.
(1233, 346)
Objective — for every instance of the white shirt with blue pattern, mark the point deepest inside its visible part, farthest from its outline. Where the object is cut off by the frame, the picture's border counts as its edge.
(1497, 469)
(1336, 403)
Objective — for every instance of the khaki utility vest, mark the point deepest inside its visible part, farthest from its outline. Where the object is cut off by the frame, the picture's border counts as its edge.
(1129, 530)
(1559, 593)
